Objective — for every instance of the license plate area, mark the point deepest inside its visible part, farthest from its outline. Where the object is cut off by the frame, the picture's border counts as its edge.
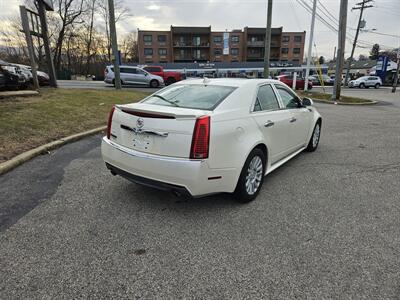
(142, 141)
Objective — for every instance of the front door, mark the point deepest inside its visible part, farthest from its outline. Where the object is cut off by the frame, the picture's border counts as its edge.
(299, 120)
(273, 123)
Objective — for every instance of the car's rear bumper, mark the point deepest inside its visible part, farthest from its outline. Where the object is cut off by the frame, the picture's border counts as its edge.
(180, 175)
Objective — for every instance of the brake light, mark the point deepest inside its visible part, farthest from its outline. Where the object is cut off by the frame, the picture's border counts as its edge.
(110, 116)
(201, 138)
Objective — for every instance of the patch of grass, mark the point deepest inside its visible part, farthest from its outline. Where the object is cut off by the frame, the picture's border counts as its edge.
(323, 96)
(26, 123)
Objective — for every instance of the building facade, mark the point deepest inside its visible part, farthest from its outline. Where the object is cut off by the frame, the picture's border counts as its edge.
(201, 44)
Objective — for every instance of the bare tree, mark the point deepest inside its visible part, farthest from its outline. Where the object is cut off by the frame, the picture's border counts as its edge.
(69, 12)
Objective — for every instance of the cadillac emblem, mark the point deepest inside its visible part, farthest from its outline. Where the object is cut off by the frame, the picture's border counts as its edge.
(139, 123)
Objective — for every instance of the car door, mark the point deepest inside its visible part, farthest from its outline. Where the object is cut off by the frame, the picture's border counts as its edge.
(300, 117)
(142, 77)
(273, 122)
(125, 75)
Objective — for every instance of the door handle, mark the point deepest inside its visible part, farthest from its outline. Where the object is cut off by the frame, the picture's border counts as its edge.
(269, 123)
(293, 120)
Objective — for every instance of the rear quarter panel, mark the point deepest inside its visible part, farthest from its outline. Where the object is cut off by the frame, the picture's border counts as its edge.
(233, 132)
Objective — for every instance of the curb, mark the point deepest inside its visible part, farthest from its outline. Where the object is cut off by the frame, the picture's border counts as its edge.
(11, 94)
(373, 102)
(24, 157)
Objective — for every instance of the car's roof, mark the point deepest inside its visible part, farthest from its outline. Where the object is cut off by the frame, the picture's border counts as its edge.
(124, 66)
(235, 82)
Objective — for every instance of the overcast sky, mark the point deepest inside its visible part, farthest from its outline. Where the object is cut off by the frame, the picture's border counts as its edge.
(236, 14)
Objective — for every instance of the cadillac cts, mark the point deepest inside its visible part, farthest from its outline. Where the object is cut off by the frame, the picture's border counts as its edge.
(205, 136)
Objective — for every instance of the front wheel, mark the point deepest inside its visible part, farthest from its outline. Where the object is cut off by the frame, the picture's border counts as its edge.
(361, 86)
(154, 83)
(252, 177)
(314, 140)
(377, 86)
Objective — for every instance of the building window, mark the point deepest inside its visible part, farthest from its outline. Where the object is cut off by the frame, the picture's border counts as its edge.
(218, 39)
(235, 39)
(147, 38)
(298, 38)
(162, 51)
(296, 50)
(162, 38)
(196, 41)
(235, 51)
(217, 51)
(285, 50)
(286, 39)
(148, 51)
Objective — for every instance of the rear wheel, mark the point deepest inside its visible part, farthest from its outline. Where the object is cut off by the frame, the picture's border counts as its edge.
(154, 83)
(113, 82)
(377, 86)
(170, 80)
(314, 140)
(252, 177)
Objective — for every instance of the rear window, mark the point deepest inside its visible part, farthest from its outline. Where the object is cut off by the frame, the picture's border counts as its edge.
(194, 96)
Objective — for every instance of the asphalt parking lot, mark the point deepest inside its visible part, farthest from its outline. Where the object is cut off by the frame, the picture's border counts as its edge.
(325, 225)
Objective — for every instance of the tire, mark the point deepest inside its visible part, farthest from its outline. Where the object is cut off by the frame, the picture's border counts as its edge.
(315, 137)
(247, 189)
(154, 83)
(170, 80)
(361, 86)
(377, 86)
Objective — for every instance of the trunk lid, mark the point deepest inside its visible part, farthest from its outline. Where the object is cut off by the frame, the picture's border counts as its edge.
(155, 129)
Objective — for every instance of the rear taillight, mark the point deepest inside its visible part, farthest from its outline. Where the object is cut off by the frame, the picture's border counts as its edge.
(110, 116)
(201, 138)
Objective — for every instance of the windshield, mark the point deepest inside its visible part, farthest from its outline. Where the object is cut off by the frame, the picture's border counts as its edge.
(194, 96)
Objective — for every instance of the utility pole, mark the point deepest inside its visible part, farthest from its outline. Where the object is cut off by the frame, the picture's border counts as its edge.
(396, 76)
(43, 22)
(114, 45)
(268, 40)
(310, 43)
(340, 50)
(361, 6)
(29, 43)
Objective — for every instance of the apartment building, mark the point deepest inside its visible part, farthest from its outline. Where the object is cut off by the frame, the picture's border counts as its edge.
(201, 44)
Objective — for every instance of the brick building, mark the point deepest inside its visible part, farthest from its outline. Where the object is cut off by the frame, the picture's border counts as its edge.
(200, 44)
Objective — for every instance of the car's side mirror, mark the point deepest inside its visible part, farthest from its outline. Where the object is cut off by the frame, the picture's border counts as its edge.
(145, 74)
(307, 102)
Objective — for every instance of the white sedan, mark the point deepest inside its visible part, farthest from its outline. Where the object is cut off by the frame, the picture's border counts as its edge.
(206, 136)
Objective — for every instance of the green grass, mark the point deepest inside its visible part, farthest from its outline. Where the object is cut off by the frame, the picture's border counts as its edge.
(26, 123)
(323, 96)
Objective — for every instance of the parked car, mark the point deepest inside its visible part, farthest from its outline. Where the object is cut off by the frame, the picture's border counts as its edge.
(206, 136)
(43, 78)
(316, 80)
(300, 82)
(12, 77)
(25, 71)
(133, 75)
(169, 77)
(366, 82)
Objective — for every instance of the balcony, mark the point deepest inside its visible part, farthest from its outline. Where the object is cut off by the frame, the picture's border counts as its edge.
(255, 43)
(191, 58)
(189, 44)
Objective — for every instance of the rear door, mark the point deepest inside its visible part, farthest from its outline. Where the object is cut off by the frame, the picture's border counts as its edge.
(299, 117)
(273, 122)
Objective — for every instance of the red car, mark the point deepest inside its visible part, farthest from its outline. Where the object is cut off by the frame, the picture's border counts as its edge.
(168, 76)
(288, 80)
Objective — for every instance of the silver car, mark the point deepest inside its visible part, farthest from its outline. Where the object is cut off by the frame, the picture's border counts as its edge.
(133, 75)
(366, 82)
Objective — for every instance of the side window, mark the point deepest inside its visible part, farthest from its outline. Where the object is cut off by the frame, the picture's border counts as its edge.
(266, 99)
(289, 99)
